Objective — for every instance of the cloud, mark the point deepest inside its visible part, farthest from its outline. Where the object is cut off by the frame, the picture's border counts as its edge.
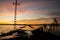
(54, 14)
(36, 8)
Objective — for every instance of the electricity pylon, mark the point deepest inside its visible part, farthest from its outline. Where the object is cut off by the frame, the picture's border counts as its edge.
(15, 14)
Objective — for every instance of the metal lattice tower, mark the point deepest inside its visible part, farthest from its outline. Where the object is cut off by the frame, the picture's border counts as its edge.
(15, 14)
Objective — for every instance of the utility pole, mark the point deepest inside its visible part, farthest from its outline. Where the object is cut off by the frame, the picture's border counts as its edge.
(55, 24)
(15, 14)
(55, 21)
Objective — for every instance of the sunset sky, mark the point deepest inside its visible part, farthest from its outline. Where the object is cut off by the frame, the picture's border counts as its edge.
(29, 9)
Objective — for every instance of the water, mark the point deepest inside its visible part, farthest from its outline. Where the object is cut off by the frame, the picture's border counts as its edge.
(8, 28)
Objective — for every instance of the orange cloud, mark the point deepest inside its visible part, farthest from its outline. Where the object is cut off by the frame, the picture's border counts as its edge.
(48, 21)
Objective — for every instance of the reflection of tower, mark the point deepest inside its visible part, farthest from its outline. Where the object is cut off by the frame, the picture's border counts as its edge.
(15, 12)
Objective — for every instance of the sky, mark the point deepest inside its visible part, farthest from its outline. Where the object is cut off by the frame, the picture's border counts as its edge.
(29, 9)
